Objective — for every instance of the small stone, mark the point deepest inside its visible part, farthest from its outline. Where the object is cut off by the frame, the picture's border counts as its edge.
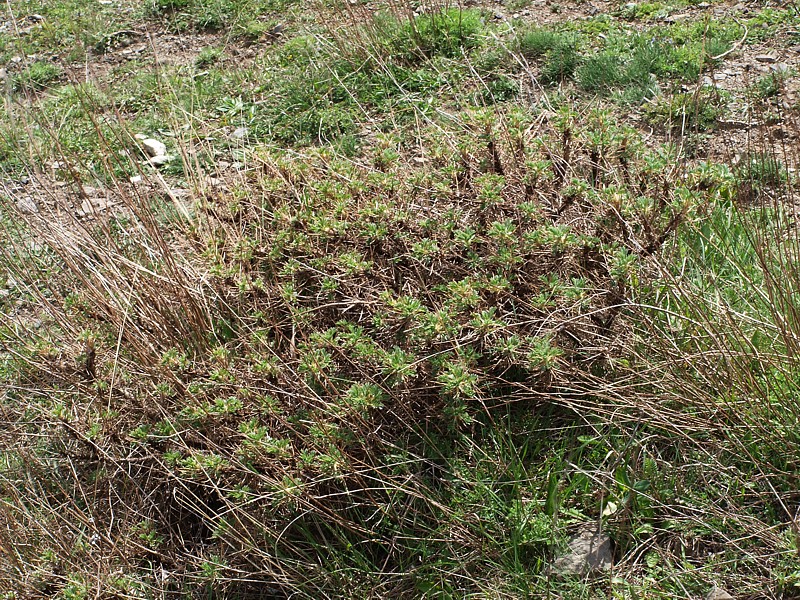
(718, 593)
(588, 551)
(60, 171)
(27, 205)
(153, 147)
(240, 133)
(161, 160)
(136, 179)
(94, 205)
(676, 18)
(704, 5)
(766, 58)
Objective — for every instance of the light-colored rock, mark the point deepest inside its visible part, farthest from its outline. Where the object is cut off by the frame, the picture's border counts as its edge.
(92, 206)
(153, 147)
(136, 179)
(161, 159)
(718, 593)
(27, 205)
(677, 18)
(766, 58)
(215, 182)
(588, 551)
(59, 168)
(90, 191)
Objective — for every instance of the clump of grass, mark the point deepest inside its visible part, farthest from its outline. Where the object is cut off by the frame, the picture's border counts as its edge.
(630, 75)
(558, 52)
(38, 76)
(769, 85)
(208, 56)
(725, 326)
(448, 33)
(216, 15)
(630, 65)
(758, 172)
(497, 89)
(686, 112)
(536, 43)
(602, 73)
(254, 30)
